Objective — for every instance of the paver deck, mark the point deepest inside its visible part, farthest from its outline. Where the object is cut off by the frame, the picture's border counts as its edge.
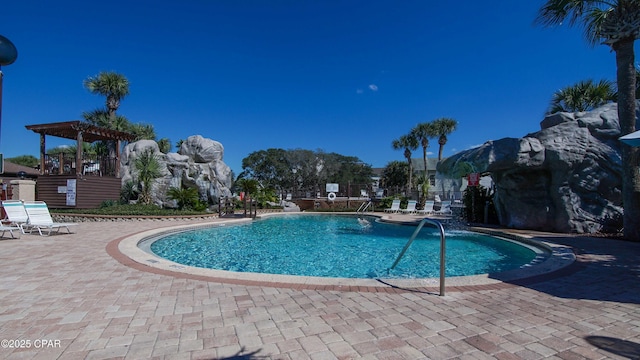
(65, 297)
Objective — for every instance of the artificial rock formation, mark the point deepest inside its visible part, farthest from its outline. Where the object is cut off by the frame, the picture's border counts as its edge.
(567, 177)
(198, 163)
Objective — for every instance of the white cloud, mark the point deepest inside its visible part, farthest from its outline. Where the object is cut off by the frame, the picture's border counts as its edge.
(373, 87)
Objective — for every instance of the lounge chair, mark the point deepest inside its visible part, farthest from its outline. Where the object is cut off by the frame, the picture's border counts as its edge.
(411, 207)
(395, 207)
(428, 208)
(16, 214)
(40, 218)
(445, 208)
(5, 228)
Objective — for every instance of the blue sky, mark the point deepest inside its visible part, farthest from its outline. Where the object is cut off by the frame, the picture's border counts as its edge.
(341, 76)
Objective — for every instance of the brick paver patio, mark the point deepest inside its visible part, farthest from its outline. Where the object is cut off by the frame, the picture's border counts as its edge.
(65, 297)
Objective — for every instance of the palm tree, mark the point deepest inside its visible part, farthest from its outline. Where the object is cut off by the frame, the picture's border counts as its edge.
(112, 85)
(101, 118)
(185, 197)
(409, 143)
(441, 128)
(147, 168)
(142, 131)
(164, 145)
(585, 95)
(615, 23)
(423, 132)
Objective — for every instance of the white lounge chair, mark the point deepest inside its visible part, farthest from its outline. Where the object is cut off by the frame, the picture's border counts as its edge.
(411, 207)
(445, 208)
(16, 214)
(428, 208)
(40, 218)
(5, 228)
(395, 207)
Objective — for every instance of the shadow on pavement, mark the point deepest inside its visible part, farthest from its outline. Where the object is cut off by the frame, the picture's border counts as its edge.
(605, 270)
(624, 348)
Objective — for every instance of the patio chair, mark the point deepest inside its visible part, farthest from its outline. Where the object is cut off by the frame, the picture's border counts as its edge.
(428, 208)
(411, 207)
(40, 218)
(445, 208)
(395, 207)
(5, 228)
(16, 214)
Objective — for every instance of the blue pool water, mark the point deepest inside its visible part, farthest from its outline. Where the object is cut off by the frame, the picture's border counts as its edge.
(338, 246)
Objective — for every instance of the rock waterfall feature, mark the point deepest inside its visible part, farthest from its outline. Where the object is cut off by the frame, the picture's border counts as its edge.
(567, 177)
(198, 163)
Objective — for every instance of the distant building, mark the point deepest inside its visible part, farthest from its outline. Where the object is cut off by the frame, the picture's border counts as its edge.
(444, 187)
(16, 172)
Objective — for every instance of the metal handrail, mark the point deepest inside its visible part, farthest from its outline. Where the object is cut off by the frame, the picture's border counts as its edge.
(442, 248)
(363, 207)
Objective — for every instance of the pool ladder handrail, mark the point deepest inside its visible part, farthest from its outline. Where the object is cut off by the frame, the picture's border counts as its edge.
(438, 224)
(363, 207)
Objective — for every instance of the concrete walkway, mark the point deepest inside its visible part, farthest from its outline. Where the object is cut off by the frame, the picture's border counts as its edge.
(65, 297)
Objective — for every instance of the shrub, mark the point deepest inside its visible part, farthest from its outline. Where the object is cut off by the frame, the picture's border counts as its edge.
(187, 198)
(108, 203)
(128, 192)
(385, 203)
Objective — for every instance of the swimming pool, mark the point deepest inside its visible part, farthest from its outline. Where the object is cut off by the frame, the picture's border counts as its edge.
(339, 246)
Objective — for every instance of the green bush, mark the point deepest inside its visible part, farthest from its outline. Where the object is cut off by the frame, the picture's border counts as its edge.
(385, 203)
(108, 203)
(187, 198)
(128, 192)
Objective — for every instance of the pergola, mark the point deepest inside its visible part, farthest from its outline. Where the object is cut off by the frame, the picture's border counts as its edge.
(81, 132)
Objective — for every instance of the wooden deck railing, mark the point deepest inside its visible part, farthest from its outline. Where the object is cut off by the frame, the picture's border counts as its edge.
(65, 164)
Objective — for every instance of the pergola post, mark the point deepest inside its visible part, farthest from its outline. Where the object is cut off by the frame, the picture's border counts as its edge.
(42, 153)
(60, 163)
(79, 154)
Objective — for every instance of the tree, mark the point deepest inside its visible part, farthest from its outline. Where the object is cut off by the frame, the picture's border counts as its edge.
(615, 23)
(303, 170)
(585, 95)
(101, 118)
(25, 160)
(164, 145)
(441, 128)
(147, 169)
(423, 132)
(270, 167)
(142, 131)
(113, 86)
(394, 175)
(409, 143)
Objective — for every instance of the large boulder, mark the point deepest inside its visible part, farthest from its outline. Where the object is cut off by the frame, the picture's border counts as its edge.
(198, 163)
(567, 177)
